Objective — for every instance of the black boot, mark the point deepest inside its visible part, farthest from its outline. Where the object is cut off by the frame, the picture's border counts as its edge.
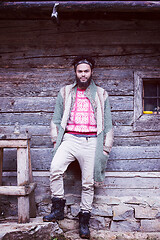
(57, 210)
(84, 218)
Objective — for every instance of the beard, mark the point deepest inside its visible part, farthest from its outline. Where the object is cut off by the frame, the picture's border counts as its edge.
(83, 85)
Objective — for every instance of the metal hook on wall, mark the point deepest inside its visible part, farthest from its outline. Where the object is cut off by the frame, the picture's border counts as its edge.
(54, 14)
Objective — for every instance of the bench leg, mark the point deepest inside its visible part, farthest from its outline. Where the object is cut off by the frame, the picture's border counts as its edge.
(23, 209)
(23, 179)
(32, 202)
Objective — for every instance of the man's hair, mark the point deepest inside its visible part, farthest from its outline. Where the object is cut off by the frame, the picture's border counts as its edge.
(83, 59)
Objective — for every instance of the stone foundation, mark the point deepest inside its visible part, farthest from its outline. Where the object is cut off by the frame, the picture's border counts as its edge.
(64, 230)
(131, 214)
(112, 218)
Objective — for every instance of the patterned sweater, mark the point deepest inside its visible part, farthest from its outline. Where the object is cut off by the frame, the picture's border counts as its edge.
(82, 120)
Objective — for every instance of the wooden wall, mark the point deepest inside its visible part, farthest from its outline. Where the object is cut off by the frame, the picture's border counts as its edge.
(35, 62)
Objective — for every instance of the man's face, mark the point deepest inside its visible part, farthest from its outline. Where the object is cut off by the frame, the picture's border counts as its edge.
(83, 75)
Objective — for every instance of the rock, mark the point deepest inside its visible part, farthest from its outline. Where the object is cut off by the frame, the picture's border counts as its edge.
(68, 224)
(130, 225)
(142, 212)
(39, 230)
(70, 200)
(158, 215)
(102, 210)
(122, 212)
(72, 235)
(150, 225)
(75, 210)
(97, 223)
(134, 200)
(107, 235)
(106, 200)
(29, 231)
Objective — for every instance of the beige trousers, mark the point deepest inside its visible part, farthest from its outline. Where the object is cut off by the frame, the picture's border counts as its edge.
(71, 148)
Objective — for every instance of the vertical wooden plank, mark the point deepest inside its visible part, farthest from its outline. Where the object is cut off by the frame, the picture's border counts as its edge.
(32, 204)
(1, 164)
(22, 179)
(138, 86)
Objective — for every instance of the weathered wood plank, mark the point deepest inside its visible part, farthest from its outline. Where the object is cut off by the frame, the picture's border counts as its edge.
(71, 9)
(22, 179)
(147, 123)
(122, 118)
(131, 183)
(107, 174)
(104, 36)
(13, 143)
(12, 190)
(119, 132)
(32, 204)
(46, 104)
(122, 183)
(127, 192)
(124, 136)
(133, 165)
(47, 82)
(136, 152)
(127, 131)
(33, 82)
(43, 118)
(17, 190)
(136, 141)
(122, 180)
(27, 104)
(120, 56)
(121, 159)
(72, 25)
(117, 153)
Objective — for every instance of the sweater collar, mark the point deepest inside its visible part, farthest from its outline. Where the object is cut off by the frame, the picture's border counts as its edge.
(90, 91)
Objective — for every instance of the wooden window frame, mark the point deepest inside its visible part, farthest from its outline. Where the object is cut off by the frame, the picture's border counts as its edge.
(144, 122)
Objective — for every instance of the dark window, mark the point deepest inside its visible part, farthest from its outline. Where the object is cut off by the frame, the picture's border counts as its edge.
(146, 101)
(151, 96)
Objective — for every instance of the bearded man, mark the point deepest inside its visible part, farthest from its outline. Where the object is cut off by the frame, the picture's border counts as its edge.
(81, 129)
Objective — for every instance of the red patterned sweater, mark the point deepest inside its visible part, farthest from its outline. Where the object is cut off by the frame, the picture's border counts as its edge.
(82, 119)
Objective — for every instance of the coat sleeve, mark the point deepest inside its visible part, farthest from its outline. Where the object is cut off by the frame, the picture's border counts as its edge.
(57, 117)
(108, 128)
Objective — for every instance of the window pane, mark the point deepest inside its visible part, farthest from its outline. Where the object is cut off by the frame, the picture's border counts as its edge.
(150, 89)
(150, 104)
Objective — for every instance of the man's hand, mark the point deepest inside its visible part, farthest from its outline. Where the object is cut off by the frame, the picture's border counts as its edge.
(106, 153)
(54, 144)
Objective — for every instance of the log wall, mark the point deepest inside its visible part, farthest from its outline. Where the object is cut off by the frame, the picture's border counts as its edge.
(35, 62)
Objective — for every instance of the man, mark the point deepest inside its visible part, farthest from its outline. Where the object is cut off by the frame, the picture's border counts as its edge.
(81, 129)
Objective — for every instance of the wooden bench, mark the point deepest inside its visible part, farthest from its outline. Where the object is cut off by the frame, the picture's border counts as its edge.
(25, 186)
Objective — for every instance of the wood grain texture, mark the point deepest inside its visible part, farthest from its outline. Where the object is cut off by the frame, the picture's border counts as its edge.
(36, 61)
(122, 158)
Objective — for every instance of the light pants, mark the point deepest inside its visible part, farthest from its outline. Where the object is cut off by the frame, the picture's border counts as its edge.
(71, 148)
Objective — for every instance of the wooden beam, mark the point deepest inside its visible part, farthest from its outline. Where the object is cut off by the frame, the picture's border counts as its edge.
(17, 190)
(32, 202)
(46, 174)
(23, 179)
(13, 143)
(43, 9)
